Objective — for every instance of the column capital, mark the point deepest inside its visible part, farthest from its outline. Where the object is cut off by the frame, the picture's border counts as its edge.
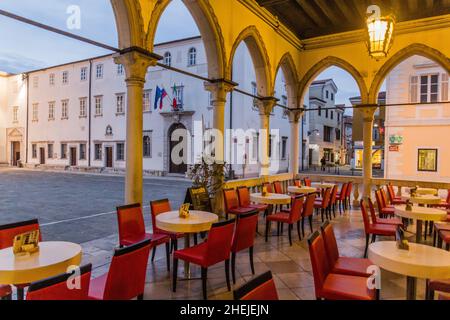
(136, 61)
(266, 105)
(219, 89)
(368, 112)
(295, 115)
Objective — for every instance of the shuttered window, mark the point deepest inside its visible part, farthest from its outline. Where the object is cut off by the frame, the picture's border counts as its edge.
(444, 88)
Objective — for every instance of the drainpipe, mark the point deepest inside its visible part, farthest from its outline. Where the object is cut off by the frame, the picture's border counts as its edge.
(26, 125)
(231, 124)
(302, 143)
(89, 114)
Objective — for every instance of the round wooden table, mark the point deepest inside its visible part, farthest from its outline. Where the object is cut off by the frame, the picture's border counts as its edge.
(53, 258)
(430, 191)
(324, 185)
(426, 199)
(420, 261)
(301, 190)
(271, 198)
(198, 221)
(420, 214)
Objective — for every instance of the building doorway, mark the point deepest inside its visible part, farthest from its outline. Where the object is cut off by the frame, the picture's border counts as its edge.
(73, 156)
(109, 157)
(15, 153)
(42, 155)
(177, 149)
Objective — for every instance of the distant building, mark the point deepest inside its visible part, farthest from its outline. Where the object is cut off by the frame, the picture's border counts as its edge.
(378, 134)
(348, 138)
(417, 136)
(325, 125)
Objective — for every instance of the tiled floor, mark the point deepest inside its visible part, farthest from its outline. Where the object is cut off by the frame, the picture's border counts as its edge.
(290, 265)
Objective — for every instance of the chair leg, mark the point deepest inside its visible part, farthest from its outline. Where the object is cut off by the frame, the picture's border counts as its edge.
(168, 255)
(204, 277)
(310, 223)
(298, 231)
(140, 297)
(374, 238)
(233, 266)
(195, 239)
(367, 245)
(278, 228)
(175, 245)
(290, 234)
(227, 273)
(174, 274)
(447, 246)
(322, 212)
(267, 230)
(153, 253)
(426, 231)
(303, 227)
(252, 265)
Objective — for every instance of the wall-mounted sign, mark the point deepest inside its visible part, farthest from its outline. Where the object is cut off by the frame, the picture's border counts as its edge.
(395, 139)
(394, 148)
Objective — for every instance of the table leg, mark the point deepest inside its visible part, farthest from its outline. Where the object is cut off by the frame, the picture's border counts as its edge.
(411, 288)
(419, 231)
(187, 244)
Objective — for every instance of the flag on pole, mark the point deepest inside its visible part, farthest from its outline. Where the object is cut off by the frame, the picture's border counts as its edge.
(163, 95)
(157, 97)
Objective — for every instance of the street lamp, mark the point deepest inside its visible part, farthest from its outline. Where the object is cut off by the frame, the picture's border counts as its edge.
(380, 32)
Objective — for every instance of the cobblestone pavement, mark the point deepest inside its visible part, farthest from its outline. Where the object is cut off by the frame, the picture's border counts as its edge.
(75, 207)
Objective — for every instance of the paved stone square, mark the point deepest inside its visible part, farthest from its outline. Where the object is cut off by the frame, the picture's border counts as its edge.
(75, 207)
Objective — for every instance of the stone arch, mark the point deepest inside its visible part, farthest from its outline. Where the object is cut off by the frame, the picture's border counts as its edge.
(330, 62)
(287, 66)
(129, 24)
(255, 44)
(206, 20)
(400, 56)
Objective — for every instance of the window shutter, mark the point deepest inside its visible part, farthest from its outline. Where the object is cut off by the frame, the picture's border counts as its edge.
(444, 89)
(413, 82)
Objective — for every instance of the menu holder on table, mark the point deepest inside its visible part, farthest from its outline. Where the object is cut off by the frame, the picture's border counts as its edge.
(402, 243)
(264, 191)
(184, 211)
(409, 205)
(26, 243)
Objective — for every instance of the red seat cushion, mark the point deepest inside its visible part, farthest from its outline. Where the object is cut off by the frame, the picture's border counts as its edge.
(194, 255)
(393, 222)
(5, 291)
(279, 217)
(259, 207)
(445, 236)
(344, 287)
(240, 210)
(157, 238)
(397, 202)
(352, 266)
(97, 287)
(383, 229)
(442, 226)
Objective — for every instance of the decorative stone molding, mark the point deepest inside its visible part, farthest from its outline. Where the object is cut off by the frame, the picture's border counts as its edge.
(266, 105)
(136, 61)
(295, 115)
(219, 89)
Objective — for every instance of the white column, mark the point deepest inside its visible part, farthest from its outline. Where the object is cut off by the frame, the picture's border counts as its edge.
(294, 121)
(135, 64)
(266, 106)
(368, 118)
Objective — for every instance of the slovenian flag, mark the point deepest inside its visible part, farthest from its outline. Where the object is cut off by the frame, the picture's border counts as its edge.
(158, 93)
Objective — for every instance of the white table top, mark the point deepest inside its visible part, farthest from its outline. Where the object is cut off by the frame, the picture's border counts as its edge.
(270, 198)
(425, 199)
(430, 191)
(421, 261)
(53, 258)
(301, 190)
(324, 185)
(421, 213)
(198, 221)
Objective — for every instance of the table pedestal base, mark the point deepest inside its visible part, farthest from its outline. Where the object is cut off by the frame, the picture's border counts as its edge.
(411, 288)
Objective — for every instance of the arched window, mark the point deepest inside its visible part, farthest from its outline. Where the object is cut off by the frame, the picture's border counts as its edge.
(109, 131)
(192, 58)
(168, 59)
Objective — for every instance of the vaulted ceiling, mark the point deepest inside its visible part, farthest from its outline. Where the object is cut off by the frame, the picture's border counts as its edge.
(312, 18)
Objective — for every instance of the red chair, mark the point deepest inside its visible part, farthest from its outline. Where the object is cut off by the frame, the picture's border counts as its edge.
(322, 204)
(440, 286)
(244, 200)
(232, 206)
(332, 286)
(307, 182)
(438, 227)
(394, 199)
(243, 238)
(333, 200)
(308, 211)
(125, 279)
(375, 229)
(56, 288)
(261, 288)
(394, 221)
(445, 204)
(342, 265)
(348, 195)
(298, 183)
(444, 237)
(132, 229)
(268, 186)
(215, 249)
(291, 217)
(278, 187)
(5, 292)
(383, 210)
(340, 197)
(7, 234)
(157, 207)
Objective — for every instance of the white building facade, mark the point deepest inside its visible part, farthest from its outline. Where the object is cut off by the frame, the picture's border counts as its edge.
(73, 116)
(416, 144)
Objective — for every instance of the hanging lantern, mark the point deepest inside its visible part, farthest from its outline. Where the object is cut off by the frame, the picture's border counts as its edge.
(380, 32)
